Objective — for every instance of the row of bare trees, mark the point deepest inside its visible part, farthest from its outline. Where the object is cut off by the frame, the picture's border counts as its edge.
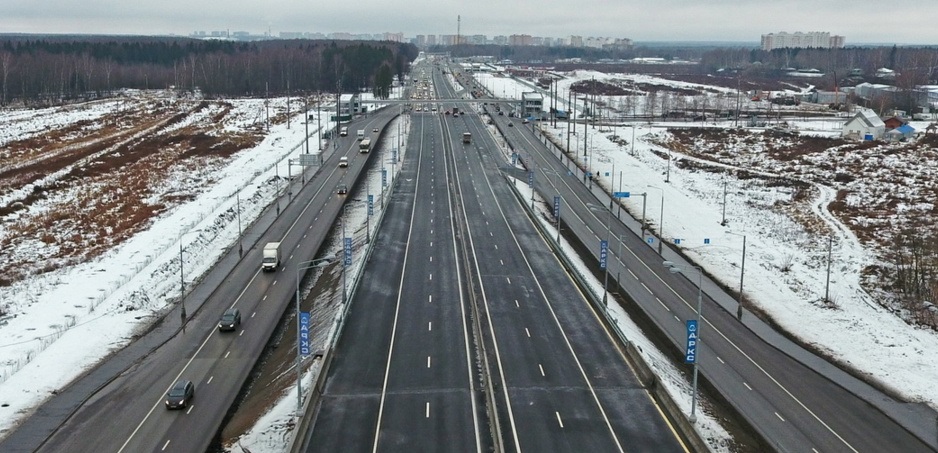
(47, 72)
(915, 272)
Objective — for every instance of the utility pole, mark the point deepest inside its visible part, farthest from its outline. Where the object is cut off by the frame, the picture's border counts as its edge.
(827, 287)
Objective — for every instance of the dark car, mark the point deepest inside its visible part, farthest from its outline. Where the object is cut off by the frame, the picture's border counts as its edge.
(511, 124)
(180, 395)
(342, 189)
(230, 320)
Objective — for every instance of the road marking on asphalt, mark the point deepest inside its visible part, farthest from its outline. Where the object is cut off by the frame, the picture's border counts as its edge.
(721, 360)
(165, 445)
(189, 410)
(430, 298)
(241, 332)
(265, 297)
(428, 361)
(559, 420)
(431, 231)
(542, 370)
(431, 243)
(509, 280)
(527, 332)
(516, 304)
(209, 381)
(430, 326)
(496, 246)
(253, 313)
(431, 258)
(428, 409)
(676, 318)
(274, 283)
(227, 353)
(662, 304)
(779, 417)
(646, 288)
(502, 261)
(747, 386)
(431, 276)
(633, 274)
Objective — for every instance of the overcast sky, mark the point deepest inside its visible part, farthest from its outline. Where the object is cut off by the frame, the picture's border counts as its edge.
(860, 21)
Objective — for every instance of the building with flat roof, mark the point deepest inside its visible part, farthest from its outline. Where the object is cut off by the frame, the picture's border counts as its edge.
(814, 39)
(532, 104)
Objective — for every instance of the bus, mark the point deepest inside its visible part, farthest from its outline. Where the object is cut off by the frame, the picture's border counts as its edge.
(364, 146)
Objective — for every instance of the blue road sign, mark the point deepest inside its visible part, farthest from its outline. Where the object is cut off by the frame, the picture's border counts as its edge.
(706, 241)
(607, 174)
(371, 205)
(348, 252)
(621, 194)
(603, 250)
(530, 179)
(691, 355)
(556, 207)
(304, 334)
(677, 241)
(650, 240)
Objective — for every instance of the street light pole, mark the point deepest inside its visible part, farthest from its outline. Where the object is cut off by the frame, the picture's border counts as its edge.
(674, 268)
(593, 207)
(660, 221)
(240, 243)
(299, 370)
(742, 273)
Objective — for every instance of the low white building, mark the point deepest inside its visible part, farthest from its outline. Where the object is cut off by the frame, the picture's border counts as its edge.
(349, 105)
(865, 125)
(532, 104)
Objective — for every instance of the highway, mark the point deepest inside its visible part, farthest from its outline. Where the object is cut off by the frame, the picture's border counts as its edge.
(127, 404)
(467, 334)
(792, 406)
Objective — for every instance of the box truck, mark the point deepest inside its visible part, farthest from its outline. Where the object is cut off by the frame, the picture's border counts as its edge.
(271, 256)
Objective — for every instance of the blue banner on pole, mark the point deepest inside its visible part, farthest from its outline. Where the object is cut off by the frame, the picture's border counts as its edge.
(691, 355)
(348, 252)
(603, 253)
(557, 207)
(304, 334)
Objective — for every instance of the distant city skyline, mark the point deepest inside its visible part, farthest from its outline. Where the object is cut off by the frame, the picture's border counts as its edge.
(865, 21)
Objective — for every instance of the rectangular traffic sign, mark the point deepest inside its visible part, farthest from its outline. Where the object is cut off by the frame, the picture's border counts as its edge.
(691, 355)
(621, 194)
(603, 250)
(556, 207)
(304, 333)
(530, 179)
(371, 205)
(348, 252)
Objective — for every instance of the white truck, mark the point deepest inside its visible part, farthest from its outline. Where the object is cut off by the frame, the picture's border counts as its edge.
(271, 256)
(361, 134)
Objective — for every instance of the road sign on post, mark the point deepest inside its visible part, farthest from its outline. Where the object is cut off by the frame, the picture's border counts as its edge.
(621, 194)
(348, 252)
(304, 334)
(531, 179)
(371, 205)
(691, 355)
(556, 207)
(603, 249)
(384, 178)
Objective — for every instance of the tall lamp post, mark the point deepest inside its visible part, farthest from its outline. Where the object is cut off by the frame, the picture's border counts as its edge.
(674, 269)
(182, 279)
(605, 264)
(299, 370)
(742, 273)
(660, 220)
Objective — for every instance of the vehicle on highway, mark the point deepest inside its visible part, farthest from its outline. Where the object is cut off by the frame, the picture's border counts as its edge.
(271, 257)
(343, 161)
(341, 189)
(230, 320)
(466, 137)
(375, 130)
(364, 146)
(343, 132)
(180, 395)
(361, 134)
(510, 124)
(524, 121)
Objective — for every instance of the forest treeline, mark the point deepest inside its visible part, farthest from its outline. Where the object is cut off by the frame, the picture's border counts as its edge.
(52, 70)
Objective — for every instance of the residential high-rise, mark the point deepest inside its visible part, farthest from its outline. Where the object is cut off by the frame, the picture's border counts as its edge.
(814, 39)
